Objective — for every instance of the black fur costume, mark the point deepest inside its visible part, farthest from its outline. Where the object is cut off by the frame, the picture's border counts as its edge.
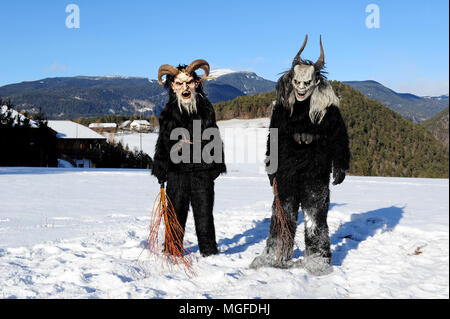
(188, 183)
(303, 175)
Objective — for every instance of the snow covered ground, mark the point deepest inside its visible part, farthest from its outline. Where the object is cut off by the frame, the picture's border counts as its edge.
(79, 233)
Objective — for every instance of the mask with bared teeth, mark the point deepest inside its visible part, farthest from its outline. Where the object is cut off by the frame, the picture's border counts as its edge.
(185, 82)
(306, 83)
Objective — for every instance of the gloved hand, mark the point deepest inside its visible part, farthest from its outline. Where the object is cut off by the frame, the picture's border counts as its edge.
(215, 174)
(160, 173)
(162, 178)
(338, 176)
(162, 181)
(271, 177)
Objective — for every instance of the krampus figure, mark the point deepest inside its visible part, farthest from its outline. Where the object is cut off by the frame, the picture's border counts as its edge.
(189, 150)
(312, 144)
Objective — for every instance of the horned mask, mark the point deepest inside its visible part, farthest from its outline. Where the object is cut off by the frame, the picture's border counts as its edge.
(306, 80)
(185, 82)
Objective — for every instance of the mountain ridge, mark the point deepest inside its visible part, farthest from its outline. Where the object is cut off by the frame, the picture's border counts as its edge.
(91, 96)
(411, 106)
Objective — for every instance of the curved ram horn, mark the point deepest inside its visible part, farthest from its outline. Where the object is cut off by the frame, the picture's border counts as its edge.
(166, 69)
(297, 57)
(199, 64)
(320, 63)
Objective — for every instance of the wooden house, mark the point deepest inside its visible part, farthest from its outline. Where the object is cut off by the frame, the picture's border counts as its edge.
(77, 144)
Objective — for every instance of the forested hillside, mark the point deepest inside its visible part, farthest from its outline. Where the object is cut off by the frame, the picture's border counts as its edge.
(438, 125)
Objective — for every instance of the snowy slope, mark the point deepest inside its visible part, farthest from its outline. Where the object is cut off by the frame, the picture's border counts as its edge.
(78, 233)
(219, 72)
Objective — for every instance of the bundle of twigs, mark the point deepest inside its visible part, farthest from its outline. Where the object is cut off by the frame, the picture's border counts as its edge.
(172, 248)
(284, 234)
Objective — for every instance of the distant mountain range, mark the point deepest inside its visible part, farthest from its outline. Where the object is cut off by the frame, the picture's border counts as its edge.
(80, 96)
(413, 107)
(247, 82)
(90, 96)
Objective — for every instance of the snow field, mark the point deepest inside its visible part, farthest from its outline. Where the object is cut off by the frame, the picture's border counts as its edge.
(384, 246)
(80, 233)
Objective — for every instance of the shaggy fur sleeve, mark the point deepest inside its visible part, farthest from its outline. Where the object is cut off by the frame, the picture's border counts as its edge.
(338, 139)
(277, 120)
(219, 168)
(162, 151)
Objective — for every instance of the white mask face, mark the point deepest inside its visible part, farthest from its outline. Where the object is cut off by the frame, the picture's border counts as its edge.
(304, 81)
(184, 87)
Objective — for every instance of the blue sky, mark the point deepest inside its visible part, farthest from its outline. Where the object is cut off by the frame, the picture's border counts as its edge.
(409, 52)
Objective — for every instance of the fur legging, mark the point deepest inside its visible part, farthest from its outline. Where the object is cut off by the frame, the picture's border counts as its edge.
(197, 189)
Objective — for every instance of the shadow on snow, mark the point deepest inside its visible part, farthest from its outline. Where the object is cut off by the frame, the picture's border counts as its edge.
(362, 226)
(347, 237)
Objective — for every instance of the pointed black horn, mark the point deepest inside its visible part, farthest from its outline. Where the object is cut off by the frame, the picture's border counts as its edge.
(297, 57)
(320, 63)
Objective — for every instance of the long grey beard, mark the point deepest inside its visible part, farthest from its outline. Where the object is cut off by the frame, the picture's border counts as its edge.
(190, 107)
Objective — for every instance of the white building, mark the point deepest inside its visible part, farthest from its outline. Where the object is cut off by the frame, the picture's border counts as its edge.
(103, 127)
(140, 125)
(125, 125)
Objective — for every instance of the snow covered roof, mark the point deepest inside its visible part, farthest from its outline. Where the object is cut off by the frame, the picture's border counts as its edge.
(14, 113)
(69, 129)
(140, 122)
(125, 124)
(102, 125)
